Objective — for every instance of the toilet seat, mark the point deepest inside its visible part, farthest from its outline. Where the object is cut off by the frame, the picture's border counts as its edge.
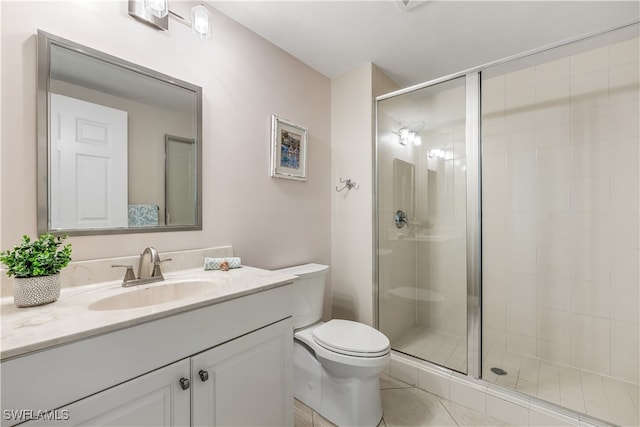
(375, 357)
(351, 338)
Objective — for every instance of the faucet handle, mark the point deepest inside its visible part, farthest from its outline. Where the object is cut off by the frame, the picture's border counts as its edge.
(128, 275)
(157, 272)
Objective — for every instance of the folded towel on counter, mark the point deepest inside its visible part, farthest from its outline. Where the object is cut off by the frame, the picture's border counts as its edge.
(217, 263)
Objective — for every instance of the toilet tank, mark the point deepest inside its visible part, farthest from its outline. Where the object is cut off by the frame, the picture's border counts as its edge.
(308, 293)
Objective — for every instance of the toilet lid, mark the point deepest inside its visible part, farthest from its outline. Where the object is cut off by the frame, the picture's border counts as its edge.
(351, 338)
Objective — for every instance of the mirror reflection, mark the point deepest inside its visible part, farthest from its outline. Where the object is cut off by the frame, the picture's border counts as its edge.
(119, 145)
(180, 163)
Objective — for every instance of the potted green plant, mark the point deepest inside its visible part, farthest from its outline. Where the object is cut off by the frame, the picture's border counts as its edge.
(36, 267)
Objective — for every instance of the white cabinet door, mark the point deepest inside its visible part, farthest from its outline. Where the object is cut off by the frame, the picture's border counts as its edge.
(248, 380)
(154, 399)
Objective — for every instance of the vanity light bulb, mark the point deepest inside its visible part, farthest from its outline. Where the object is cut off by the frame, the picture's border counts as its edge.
(417, 141)
(201, 21)
(404, 136)
(436, 153)
(158, 8)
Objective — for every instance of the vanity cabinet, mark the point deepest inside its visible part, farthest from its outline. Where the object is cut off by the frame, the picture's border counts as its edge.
(237, 357)
(244, 382)
(154, 399)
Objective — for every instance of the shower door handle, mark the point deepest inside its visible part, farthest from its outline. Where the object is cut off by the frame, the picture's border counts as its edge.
(401, 219)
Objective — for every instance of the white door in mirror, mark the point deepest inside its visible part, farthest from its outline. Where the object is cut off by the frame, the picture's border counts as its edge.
(88, 165)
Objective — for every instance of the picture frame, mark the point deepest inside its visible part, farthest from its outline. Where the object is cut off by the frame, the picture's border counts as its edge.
(288, 150)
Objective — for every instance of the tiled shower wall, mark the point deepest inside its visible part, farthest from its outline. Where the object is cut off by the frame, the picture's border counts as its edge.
(560, 211)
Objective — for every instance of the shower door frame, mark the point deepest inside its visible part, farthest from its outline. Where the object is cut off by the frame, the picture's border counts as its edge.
(474, 182)
(473, 202)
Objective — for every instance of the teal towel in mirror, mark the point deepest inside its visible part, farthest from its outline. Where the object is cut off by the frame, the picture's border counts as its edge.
(143, 215)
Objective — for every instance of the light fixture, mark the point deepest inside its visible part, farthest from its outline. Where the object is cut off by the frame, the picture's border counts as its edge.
(438, 153)
(201, 21)
(156, 13)
(404, 136)
(408, 134)
(145, 12)
(159, 8)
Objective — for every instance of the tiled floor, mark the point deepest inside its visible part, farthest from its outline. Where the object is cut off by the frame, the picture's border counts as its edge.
(404, 405)
(442, 349)
(598, 396)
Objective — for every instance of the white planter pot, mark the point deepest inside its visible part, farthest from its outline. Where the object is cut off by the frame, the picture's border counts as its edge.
(30, 291)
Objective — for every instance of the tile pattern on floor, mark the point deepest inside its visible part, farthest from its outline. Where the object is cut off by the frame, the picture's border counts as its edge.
(437, 347)
(596, 395)
(404, 405)
(599, 396)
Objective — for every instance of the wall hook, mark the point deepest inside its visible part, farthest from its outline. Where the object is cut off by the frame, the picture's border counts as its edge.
(348, 184)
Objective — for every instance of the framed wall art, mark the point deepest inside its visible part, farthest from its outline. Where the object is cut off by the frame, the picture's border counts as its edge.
(288, 150)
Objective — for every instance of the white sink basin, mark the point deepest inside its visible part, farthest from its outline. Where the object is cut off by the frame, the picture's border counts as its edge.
(153, 295)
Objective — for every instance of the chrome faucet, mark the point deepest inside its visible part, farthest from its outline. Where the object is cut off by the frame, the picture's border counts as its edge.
(148, 271)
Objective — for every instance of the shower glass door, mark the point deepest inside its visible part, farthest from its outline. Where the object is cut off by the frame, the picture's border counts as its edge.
(548, 197)
(422, 191)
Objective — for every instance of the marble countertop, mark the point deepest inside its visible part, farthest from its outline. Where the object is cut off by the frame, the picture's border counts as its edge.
(24, 330)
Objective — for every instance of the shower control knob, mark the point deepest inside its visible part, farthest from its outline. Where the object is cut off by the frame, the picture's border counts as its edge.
(204, 375)
(185, 383)
(401, 219)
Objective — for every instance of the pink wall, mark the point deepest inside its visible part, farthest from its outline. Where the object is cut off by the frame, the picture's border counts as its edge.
(270, 222)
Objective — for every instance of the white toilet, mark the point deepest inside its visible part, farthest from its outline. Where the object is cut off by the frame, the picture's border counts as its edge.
(336, 364)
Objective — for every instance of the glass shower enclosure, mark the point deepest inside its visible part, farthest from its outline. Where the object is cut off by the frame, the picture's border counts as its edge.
(506, 223)
(422, 187)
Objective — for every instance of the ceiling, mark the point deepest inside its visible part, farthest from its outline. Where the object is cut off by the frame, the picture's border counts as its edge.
(421, 40)
(96, 71)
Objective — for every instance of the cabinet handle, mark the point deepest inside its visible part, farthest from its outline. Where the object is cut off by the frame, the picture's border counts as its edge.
(204, 375)
(184, 383)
